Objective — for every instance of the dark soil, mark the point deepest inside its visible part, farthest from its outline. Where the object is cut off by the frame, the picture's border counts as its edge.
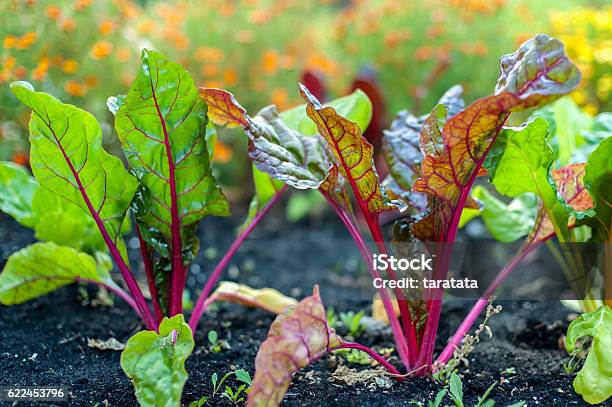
(44, 342)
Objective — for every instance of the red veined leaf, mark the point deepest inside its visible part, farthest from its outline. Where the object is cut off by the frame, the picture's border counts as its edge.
(538, 72)
(223, 108)
(570, 184)
(352, 153)
(402, 149)
(296, 338)
(274, 148)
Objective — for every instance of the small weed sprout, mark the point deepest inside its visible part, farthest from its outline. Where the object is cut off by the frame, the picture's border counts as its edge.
(216, 345)
(352, 322)
(443, 373)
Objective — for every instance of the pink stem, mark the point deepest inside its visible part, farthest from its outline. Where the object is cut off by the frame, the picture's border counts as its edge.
(130, 280)
(372, 353)
(481, 304)
(435, 304)
(146, 259)
(114, 289)
(398, 335)
(178, 269)
(202, 304)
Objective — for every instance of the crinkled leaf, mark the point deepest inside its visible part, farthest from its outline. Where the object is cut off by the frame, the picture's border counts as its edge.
(17, 187)
(598, 181)
(569, 182)
(352, 153)
(355, 107)
(401, 148)
(274, 148)
(44, 267)
(537, 73)
(296, 338)
(506, 222)
(594, 381)
(67, 158)
(267, 299)
(156, 362)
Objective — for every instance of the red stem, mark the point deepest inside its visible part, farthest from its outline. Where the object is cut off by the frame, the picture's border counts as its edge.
(202, 302)
(148, 266)
(400, 340)
(178, 269)
(371, 352)
(114, 289)
(481, 304)
(434, 305)
(141, 304)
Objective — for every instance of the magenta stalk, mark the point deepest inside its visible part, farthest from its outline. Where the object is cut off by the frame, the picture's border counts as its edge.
(398, 335)
(202, 302)
(372, 353)
(482, 303)
(148, 267)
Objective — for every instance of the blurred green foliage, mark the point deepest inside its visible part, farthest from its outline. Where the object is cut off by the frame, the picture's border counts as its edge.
(83, 51)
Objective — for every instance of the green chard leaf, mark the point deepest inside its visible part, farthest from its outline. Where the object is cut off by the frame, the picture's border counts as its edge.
(521, 162)
(594, 381)
(566, 124)
(598, 181)
(537, 73)
(17, 188)
(506, 222)
(265, 189)
(68, 159)
(355, 107)
(156, 362)
(44, 267)
(161, 125)
(296, 338)
(274, 148)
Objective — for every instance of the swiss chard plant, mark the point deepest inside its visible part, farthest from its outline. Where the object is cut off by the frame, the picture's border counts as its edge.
(434, 161)
(80, 200)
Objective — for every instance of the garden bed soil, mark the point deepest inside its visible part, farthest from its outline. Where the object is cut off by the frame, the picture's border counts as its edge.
(44, 342)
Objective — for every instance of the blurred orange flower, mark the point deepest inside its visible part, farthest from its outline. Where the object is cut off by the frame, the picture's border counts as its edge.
(209, 70)
(123, 54)
(10, 41)
(269, 62)
(101, 49)
(280, 97)
(20, 72)
(91, 81)
(68, 24)
(53, 12)
(146, 26)
(27, 40)
(230, 76)
(81, 5)
(209, 54)
(223, 153)
(70, 66)
(74, 88)
(106, 27)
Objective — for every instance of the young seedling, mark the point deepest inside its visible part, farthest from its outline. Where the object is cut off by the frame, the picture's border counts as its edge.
(352, 322)
(216, 345)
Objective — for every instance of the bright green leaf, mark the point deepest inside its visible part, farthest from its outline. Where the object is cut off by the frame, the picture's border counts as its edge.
(44, 267)
(17, 187)
(505, 222)
(156, 362)
(161, 126)
(594, 381)
(520, 162)
(598, 181)
(566, 123)
(355, 107)
(67, 158)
